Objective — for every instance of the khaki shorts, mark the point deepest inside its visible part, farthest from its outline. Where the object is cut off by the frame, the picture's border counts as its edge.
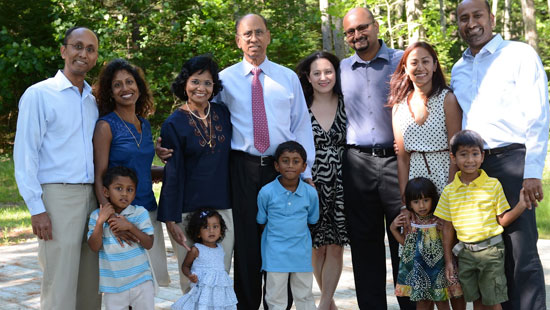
(481, 274)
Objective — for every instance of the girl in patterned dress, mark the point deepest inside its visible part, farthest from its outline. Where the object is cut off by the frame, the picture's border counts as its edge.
(422, 267)
(211, 287)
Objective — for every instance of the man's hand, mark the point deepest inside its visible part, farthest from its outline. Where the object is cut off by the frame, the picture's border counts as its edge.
(175, 231)
(533, 190)
(162, 153)
(42, 226)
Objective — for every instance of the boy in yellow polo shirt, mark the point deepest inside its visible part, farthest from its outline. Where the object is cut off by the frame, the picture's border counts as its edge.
(474, 206)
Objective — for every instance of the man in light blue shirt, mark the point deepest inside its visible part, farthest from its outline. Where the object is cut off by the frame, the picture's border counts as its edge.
(250, 169)
(54, 170)
(502, 89)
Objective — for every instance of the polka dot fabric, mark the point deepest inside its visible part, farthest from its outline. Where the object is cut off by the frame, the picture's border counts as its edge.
(428, 139)
(259, 118)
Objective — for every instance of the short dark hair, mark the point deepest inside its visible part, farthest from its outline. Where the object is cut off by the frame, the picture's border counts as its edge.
(292, 147)
(103, 90)
(119, 171)
(466, 138)
(304, 68)
(199, 219)
(196, 64)
(418, 188)
(238, 21)
(70, 30)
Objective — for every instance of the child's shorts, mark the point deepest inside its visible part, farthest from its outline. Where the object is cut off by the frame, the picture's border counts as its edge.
(482, 273)
(140, 297)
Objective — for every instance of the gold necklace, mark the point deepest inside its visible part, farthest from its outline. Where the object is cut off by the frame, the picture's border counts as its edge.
(209, 142)
(123, 122)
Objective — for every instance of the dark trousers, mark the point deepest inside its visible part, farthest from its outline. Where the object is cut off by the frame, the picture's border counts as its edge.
(247, 178)
(371, 192)
(524, 273)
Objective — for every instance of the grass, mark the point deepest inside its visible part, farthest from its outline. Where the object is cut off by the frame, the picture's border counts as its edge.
(15, 220)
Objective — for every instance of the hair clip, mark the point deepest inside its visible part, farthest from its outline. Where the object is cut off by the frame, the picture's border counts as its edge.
(203, 214)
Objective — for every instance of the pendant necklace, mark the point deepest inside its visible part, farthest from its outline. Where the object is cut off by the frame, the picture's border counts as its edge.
(123, 122)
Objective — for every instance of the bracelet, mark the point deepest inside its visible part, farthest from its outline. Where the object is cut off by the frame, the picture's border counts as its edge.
(403, 207)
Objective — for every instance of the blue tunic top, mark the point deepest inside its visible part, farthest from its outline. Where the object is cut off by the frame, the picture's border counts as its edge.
(196, 175)
(286, 240)
(125, 152)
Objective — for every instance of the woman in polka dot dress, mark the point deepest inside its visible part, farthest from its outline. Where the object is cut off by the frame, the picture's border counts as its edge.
(425, 116)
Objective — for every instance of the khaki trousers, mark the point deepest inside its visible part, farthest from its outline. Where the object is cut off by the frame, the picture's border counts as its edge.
(157, 253)
(70, 268)
(227, 244)
(277, 290)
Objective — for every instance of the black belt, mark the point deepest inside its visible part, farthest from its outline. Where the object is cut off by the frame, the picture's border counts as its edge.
(374, 151)
(498, 150)
(264, 160)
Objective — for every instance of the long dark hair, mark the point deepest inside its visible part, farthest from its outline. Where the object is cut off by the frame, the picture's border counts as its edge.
(401, 85)
(419, 188)
(104, 93)
(304, 68)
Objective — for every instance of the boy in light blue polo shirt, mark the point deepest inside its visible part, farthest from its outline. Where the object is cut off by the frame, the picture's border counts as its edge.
(125, 276)
(286, 206)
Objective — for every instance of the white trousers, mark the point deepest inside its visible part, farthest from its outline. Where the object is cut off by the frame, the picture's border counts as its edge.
(141, 297)
(158, 253)
(300, 284)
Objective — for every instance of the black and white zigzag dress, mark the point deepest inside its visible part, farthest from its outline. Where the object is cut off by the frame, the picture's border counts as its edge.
(327, 176)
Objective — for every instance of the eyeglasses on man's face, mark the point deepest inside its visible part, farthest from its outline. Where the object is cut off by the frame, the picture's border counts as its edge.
(90, 49)
(361, 28)
(248, 35)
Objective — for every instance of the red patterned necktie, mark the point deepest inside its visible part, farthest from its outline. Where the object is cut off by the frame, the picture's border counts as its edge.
(259, 119)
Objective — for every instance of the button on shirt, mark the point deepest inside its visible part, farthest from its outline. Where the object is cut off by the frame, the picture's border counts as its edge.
(53, 142)
(285, 107)
(286, 240)
(503, 92)
(366, 87)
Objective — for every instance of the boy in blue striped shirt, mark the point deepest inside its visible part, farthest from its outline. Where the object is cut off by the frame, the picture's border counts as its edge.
(125, 276)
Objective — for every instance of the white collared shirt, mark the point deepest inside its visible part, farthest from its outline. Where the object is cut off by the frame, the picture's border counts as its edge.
(53, 141)
(503, 92)
(285, 107)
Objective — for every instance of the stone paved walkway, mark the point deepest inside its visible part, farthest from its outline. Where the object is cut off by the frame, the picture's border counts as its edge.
(20, 279)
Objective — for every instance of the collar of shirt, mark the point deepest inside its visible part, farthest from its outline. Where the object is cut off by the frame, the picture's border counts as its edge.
(479, 181)
(62, 83)
(265, 66)
(491, 47)
(383, 53)
(129, 210)
(281, 190)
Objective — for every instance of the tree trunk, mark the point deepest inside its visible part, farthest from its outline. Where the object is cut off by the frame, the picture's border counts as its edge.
(529, 22)
(507, 24)
(414, 12)
(325, 26)
(494, 8)
(399, 10)
(390, 26)
(340, 47)
(443, 18)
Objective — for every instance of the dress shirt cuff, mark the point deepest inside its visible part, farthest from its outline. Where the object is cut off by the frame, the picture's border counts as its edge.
(36, 206)
(532, 171)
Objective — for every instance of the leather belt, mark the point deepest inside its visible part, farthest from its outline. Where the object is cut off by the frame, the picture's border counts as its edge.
(263, 161)
(374, 151)
(499, 150)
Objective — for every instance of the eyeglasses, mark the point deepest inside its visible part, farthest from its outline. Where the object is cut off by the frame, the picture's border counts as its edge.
(248, 35)
(79, 47)
(204, 83)
(361, 28)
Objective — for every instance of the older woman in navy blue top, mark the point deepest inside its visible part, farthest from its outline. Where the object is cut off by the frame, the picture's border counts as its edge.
(196, 175)
(123, 137)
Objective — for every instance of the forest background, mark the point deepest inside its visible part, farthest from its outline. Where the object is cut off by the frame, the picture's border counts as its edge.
(159, 36)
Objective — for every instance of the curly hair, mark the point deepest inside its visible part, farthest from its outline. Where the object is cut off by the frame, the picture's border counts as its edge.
(304, 68)
(104, 93)
(197, 64)
(400, 83)
(199, 219)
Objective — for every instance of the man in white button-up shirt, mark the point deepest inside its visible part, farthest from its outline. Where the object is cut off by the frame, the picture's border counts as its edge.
(54, 170)
(503, 91)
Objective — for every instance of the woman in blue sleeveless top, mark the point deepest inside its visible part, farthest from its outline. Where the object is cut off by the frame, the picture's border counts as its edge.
(123, 137)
